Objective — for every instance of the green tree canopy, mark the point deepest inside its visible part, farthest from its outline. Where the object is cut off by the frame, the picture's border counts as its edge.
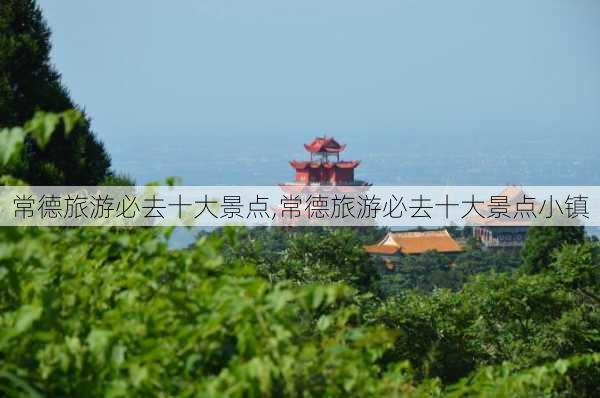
(28, 83)
(542, 241)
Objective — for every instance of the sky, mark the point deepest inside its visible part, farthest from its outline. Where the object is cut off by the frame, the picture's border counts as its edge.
(424, 92)
(376, 67)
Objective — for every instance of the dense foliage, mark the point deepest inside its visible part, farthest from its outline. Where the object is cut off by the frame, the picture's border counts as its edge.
(306, 255)
(494, 318)
(523, 319)
(93, 312)
(335, 254)
(114, 312)
(433, 270)
(543, 241)
(28, 83)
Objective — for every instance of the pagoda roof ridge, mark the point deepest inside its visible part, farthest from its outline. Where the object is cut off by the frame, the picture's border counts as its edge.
(324, 144)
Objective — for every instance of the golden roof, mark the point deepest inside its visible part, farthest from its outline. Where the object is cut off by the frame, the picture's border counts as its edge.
(415, 242)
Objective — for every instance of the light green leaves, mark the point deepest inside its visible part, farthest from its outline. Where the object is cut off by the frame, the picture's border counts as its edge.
(13, 324)
(43, 124)
(113, 313)
(26, 316)
(98, 341)
(138, 374)
(11, 142)
(40, 127)
(70, 118)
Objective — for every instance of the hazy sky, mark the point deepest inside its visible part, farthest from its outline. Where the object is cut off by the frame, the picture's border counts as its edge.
(381, 68)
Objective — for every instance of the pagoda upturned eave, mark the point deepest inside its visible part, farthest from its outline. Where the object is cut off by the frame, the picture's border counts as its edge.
(303, 164)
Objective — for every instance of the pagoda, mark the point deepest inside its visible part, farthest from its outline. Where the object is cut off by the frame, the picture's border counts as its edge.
(325, 166)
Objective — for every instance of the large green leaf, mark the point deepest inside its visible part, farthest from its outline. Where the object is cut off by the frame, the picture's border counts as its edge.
(11, 142)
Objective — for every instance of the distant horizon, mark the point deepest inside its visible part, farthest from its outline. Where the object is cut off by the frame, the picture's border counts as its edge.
(424, 92)
(385, 67)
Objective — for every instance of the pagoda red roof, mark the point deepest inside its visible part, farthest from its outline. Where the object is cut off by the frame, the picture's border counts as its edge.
(300, 164)
(324, 144)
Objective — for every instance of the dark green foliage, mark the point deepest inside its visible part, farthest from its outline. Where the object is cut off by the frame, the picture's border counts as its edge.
(433, 270)
(476, 262)
(306, 255)
(523, 319)
(542, 241)
(100, 312)
(333, 256)
(577, 267)
(112, 312)
(426, 272)
(572, 377)
(28, 83)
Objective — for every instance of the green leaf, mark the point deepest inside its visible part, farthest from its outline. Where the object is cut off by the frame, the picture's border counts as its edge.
(98, 340)
(25, 317)
(323, 323)
(118, 355)
(42, 126)
(11, 181)
(70, 119)
(19, 383)
(138, 374)
(11, 142)
(562, 365)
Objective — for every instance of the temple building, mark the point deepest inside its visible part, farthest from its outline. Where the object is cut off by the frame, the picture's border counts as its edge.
(325, 166)
(397, 244)
(516, 211)
(323, 172)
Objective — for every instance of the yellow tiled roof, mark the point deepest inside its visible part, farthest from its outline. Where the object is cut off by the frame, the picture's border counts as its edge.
(415, 243)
